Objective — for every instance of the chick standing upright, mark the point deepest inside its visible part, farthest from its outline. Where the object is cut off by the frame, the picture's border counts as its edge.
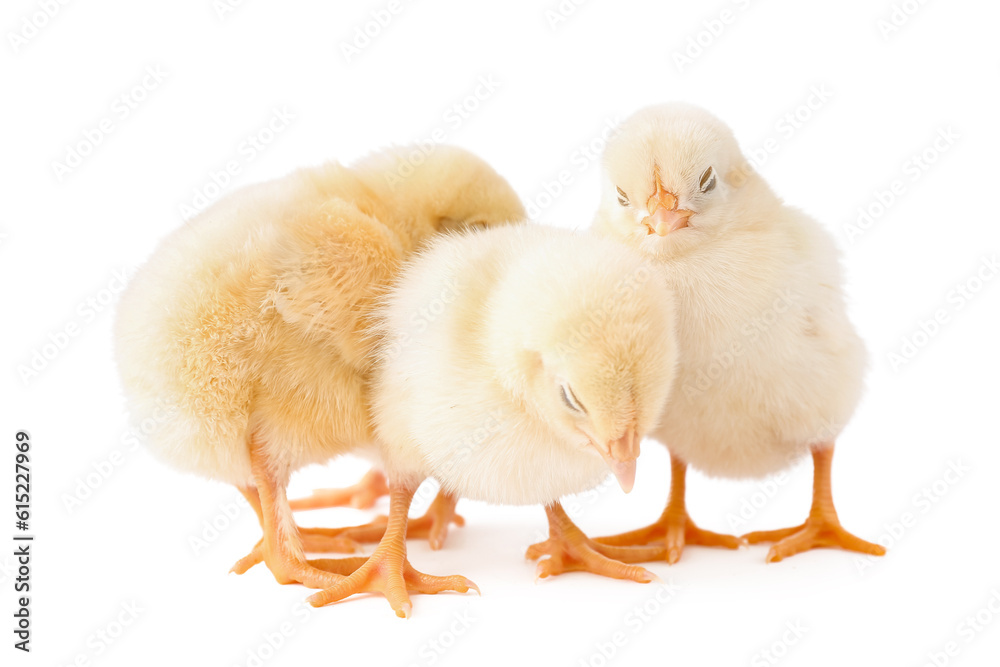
(252, 322)
(770, 366)
(519, 364)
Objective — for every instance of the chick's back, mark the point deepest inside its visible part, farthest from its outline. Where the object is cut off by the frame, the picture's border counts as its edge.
(254, 316)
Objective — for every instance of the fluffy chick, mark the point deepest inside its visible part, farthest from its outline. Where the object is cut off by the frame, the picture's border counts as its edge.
(520, 364)
(251, 322)
(770, 367)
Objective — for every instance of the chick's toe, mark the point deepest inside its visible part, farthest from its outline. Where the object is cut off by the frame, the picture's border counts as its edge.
(569, 550)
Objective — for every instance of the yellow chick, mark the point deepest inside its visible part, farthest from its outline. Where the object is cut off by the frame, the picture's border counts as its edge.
(770, 366)
(518, 364)
(253, 322)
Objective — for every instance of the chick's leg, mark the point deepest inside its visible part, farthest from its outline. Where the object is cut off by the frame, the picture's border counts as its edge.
(388, 571)
(822, 528)
(433, 525)
(281, 547)
(359, 496)
(569, 550)
(314, 540)
(674, 527)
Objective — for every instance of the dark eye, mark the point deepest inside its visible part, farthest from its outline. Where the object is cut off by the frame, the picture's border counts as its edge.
(570, 399)
(707, 183)
(622, 197)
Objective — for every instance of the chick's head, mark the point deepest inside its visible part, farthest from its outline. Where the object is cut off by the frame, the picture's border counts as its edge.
(673, 176)
(586, 343)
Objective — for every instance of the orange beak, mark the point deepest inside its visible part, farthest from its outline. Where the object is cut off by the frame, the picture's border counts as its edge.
(621, 457)
(664, 216)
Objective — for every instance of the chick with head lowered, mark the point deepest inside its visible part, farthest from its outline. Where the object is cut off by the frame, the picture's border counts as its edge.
(545, 357)
(770, 366)
(252, 322)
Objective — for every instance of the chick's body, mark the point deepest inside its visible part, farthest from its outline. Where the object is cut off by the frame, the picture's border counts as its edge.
(770, 366)
(251, 321)
(462, 329)
(517, 364)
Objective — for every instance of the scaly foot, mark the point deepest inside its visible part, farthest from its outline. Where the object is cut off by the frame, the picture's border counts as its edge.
(822, 528)
(359, 496)
(569, 550)
(817, 532)
(433, 525)
(388, 571)
(314, 540)
(674, 530)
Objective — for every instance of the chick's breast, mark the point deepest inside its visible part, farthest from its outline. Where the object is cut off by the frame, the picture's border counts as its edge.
(769, 363)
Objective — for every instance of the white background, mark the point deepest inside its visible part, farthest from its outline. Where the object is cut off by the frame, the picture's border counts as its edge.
(885, 98)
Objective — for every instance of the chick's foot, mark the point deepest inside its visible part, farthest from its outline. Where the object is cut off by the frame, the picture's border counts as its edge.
(817, 532)
(314, 540)
(360, 496)
(388, 571)
(432, 526)
(822, 528)
(569, 550)
(674, 529)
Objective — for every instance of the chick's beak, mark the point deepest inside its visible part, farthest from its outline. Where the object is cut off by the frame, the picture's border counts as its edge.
(664, 216)
(621, 456)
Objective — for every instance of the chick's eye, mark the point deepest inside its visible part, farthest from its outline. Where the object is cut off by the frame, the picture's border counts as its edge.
(622, 197)
(707, 183)
(570, 399)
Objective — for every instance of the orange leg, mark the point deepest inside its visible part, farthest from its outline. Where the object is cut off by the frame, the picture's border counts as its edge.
(674, 527)
(281, 547)
(388, 571)
(822, 528)
(359, 496)
(433, 525)
(569, 550)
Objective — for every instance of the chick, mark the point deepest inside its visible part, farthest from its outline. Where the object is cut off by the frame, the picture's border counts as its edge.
(252, 321)
(770, 366)
(519, 364)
